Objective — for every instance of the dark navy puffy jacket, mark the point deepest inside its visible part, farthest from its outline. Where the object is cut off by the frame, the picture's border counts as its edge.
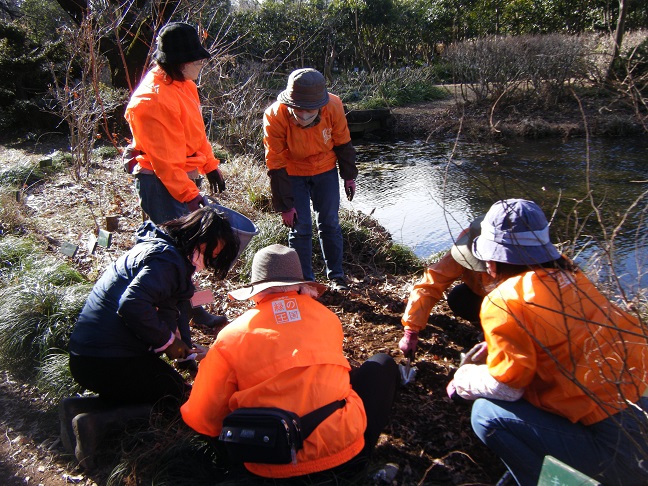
(138, 302)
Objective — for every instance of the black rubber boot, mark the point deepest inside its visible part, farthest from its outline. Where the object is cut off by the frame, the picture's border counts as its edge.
(91, 428)
(70, 408)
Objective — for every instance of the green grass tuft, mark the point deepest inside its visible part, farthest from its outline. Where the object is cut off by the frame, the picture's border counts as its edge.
(22, 174)
(54, 377)
(106, 152)
(34, 319)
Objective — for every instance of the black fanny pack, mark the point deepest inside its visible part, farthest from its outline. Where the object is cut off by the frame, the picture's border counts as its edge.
(270, 435)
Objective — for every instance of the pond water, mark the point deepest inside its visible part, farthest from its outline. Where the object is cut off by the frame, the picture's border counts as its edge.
(424, 193)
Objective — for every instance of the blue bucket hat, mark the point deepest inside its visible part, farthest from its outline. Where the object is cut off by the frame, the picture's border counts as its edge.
(515, 231)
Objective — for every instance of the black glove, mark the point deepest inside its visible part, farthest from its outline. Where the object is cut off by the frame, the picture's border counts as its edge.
(216, 181)
(196, 203)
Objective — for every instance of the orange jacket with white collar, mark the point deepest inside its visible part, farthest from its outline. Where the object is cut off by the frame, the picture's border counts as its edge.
(167, 126)
(286, 352)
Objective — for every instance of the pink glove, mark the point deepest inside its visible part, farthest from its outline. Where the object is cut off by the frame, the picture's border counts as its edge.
(408, 342)
(350, 189)
(289, 217)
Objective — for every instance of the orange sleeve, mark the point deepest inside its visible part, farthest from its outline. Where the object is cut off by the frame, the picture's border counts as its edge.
(429, 290)
(159, 133)
(340, 133)
(208, 403)
(275, 139)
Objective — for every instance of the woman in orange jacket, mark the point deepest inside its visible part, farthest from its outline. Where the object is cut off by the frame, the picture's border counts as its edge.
(464, 299)
(563, 370)
(168, 129)
(287, 353)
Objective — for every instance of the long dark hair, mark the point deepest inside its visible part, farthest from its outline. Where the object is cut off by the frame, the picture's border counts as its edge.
(173, 71)
(205, 226)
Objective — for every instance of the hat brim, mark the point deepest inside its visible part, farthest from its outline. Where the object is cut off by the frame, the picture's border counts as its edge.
(461, 251)
(284, 98)
(174, 58)
(244, 293)
(488, 250)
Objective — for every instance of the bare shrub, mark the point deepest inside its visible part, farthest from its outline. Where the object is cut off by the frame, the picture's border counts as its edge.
(544, 65)
(235, 97)
(486, 67)
(553, 63)
(79, 98)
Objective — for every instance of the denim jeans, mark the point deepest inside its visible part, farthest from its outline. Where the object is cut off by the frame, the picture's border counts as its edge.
(156, 200)
(611, 451)
(324, 191)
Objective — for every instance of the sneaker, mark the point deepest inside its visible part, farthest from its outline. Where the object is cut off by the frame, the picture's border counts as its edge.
(339, 284)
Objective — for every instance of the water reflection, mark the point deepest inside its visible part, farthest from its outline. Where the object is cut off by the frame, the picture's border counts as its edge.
(424, 193)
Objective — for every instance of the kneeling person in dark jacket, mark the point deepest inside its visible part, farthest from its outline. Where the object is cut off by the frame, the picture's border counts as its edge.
(141, 305)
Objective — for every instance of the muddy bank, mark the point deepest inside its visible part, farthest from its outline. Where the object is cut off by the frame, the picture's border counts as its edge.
(450, 118)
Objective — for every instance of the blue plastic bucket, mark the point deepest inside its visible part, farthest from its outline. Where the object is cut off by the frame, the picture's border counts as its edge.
(243, 226)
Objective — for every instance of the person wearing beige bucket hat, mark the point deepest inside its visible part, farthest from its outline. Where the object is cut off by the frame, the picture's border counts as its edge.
(287, 353)
(465, 298)
(170, 153)
(307, 143)
(563, 369)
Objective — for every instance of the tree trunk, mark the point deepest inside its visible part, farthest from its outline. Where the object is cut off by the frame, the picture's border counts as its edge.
(618, 39)
(128, 45)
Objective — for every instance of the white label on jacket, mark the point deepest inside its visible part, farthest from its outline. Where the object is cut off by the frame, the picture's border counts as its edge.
(327, 134)
(286, 310)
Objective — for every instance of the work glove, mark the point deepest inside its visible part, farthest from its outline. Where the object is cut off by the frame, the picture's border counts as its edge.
(178, 349)
(196, 203)
(451, 390)
(408, 342)
(216, 181)
(350, 189)
(476, 355)
(129, 158)
(289, 217)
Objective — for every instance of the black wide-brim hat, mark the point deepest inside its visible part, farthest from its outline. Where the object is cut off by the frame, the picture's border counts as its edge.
(178, 43)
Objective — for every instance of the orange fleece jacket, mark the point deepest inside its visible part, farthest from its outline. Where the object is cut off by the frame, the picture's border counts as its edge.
(304, 151)
(574, 352)
(286, 352)
(166, 122)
